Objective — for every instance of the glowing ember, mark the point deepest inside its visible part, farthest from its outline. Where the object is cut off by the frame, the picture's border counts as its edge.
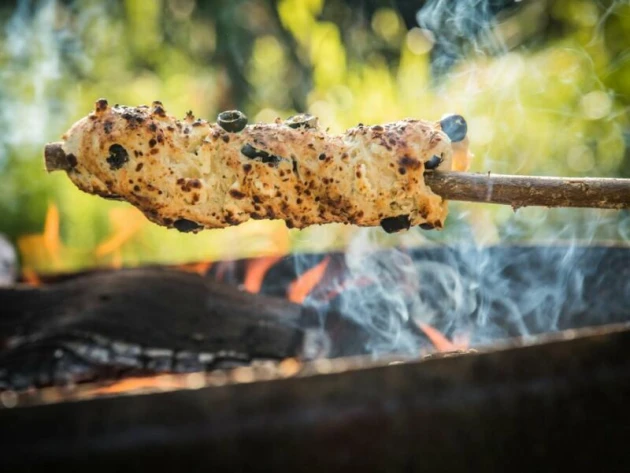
(256, 270)
(303, 285)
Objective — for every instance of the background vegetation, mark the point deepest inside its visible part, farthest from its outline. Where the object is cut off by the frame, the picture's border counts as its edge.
(545, 87)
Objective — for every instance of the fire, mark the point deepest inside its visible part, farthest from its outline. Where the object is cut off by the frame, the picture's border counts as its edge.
(440, 342)
(42, 249)
(303, 285)
(199, 268)
(256, 270)
(126, 222)
(130, 385)
(50, 236)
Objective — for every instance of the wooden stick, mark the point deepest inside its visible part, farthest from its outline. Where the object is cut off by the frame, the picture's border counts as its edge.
(524, 191)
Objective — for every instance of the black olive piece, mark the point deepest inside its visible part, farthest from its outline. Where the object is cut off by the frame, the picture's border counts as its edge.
(249, 151)
(303, 119)
(253, 153)
(455, 127)
(396, 224)
(232, 121)
(433, 163)
(185, 225)
(118, 156)
(426, 226)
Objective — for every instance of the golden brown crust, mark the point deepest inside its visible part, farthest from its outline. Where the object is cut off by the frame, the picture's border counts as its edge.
(190, 174)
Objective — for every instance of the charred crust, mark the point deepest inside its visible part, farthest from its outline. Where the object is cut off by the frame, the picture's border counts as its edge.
(427, 226)
(231, 219)
(322, 157)
(152, 142)
(152, 127)
(396, 224)
(101, 105)
(118, 156)
(188, 184)
(107, 126)
(225, 138)
(185, 226)
(402, 170)
(139, 167)
(409, 163)
(236, 194)
(257, 199)
(72, 160)
(247, 168)
(133, 118)
(159, 111)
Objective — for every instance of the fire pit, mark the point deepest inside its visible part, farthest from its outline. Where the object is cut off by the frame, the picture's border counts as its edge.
(264, 364)
(280, 132)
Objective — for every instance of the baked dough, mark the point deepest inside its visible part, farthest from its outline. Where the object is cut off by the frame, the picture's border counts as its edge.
(190, 174)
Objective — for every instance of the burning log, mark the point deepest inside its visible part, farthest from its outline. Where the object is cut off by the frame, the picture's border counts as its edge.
(144, 321)
(524, 191)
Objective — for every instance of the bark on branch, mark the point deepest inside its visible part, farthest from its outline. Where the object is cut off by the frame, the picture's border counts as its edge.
(525, 191)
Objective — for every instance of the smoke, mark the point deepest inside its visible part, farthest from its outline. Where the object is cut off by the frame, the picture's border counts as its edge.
(41, 50)
(495, 273)
(461, 28)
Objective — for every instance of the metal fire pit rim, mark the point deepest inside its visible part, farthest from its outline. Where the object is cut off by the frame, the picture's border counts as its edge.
(443, 415)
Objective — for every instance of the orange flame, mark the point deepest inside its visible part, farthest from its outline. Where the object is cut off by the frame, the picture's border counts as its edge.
(31, 277)
(440, 342)
(126, 222)
(42, 249)
(303, 285)
(51, 233)
(138, 384)
(200, 268)
(256, 270)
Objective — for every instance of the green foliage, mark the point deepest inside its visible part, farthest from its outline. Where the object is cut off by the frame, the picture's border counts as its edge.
(554, 102)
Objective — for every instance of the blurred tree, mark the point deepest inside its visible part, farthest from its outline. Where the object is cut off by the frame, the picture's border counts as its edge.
(544, 85)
